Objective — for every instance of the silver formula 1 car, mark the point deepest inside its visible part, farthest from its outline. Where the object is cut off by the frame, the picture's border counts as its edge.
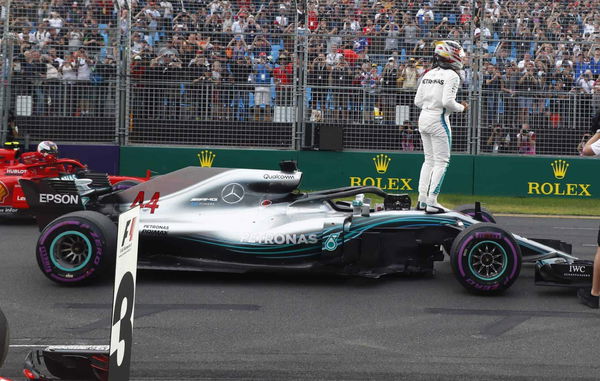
(240, 220)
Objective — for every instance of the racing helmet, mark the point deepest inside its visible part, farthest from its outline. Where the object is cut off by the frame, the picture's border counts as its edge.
(47, 148)
(448, 54)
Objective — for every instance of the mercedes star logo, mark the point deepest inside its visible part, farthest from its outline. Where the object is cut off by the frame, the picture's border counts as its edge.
(232, 193)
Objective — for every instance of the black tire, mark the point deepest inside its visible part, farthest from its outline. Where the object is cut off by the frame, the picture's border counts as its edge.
(77, 247)
(469, 210)
(485, 258)
(125, 184)
(4, 338)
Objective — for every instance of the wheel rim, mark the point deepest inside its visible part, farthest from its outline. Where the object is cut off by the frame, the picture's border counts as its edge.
(487, 260)
(70, 251)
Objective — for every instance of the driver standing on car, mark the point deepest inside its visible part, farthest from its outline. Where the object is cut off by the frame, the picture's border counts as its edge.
(591, 297)
(436, 97)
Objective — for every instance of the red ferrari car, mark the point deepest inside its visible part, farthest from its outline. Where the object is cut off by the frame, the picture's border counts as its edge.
(15, 165)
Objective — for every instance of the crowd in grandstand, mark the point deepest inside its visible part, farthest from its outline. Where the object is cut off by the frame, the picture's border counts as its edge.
(220, 59)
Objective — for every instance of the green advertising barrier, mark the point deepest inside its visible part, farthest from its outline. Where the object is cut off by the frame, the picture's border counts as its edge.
(393, 172)
(567, 177)
(135, 160)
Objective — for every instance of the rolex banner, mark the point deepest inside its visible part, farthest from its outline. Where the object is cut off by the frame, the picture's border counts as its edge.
(564, 177)
(526, 176)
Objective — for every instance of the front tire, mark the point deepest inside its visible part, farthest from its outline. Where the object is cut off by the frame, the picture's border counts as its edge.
(485, 259)
(77, 247)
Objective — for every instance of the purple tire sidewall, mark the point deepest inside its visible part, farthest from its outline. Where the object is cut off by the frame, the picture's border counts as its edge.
(90, 231)
(502, 282)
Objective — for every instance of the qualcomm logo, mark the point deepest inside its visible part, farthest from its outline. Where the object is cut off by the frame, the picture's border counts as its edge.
(331, 243)
(232, 193)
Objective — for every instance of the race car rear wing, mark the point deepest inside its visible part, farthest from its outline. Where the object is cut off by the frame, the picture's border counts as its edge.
(51, 198)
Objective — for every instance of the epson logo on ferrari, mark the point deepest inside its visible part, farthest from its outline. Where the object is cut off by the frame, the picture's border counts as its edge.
(279, 239)
(46, 198)
(278, 177)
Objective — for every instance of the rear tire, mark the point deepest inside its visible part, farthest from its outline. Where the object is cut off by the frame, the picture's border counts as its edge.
(77, 247)
(469, 210)
(485, 259)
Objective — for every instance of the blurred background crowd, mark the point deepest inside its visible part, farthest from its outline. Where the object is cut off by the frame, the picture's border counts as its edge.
(533, 67)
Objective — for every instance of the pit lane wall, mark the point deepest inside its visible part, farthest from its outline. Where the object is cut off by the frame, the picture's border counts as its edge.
(566, 177)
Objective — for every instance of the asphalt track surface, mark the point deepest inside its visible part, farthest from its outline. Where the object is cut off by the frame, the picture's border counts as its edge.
(197, 326)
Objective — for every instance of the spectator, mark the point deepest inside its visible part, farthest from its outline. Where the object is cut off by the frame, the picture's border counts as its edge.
(492, 84)
(105, 73)
(341, 76)
(200, 73)
(526, 140)
(407, 137)
(528, 85)
(509, 89)
(262, 92)
(34, 70)
(75, 38)
(389, 93)
(409, 76)
(370, 82)
(392, 30)
(318, 76)
(52, 83)
(84, 70)
(581, 145)
(496, 139)
(586, 82)
(93, 42)
(219, 106)
(282, 75)
(68, 71)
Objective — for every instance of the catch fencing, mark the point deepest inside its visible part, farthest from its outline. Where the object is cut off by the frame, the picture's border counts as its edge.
(271, 75)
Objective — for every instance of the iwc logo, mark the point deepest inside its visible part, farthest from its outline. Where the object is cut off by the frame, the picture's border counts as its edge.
(381, 163)
(206, 158)
(232, 193)
(559, 170)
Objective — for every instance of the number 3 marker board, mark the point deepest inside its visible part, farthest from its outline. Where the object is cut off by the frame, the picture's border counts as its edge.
(121, 334)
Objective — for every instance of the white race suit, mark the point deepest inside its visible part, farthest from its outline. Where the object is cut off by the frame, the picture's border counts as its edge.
(436, 97)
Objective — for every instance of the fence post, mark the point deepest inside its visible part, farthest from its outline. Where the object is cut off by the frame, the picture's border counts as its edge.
(5, 93)
(122, 84)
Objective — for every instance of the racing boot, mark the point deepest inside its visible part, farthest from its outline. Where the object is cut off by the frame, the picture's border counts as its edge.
(435, 207)
(421, 206)
(587, 298)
